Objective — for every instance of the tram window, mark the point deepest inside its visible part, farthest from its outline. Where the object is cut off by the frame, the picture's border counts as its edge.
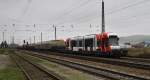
(80, 43)
(89, 42)
(73, 43)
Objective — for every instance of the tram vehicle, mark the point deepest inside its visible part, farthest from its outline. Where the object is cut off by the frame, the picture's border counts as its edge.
(105, 44)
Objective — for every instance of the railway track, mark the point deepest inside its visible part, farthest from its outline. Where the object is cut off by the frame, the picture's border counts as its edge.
(126, 61)
(90, 69)
(136, 59)
(34, 71)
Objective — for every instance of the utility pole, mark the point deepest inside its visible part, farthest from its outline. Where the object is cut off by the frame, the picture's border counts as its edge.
(41, 37)
(103, 17)
(30, 39)
(34, 33)
(90, 26)
(34, 39)
(3, 36)
(13, 38)
(55, 31)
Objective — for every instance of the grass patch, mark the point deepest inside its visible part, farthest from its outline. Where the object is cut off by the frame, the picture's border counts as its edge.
(6, 51)
(11, 73)
(10, 70)
(2, 51)
(139, 52)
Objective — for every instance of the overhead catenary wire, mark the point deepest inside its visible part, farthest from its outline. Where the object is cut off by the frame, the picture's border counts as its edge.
(121, 9)
(68, 11)
(108, 12)
(128, 6)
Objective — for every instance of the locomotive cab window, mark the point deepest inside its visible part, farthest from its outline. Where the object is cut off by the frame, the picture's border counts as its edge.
(113, 40)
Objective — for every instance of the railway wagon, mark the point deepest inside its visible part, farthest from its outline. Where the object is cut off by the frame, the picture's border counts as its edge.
(50, 45)
(104, 44)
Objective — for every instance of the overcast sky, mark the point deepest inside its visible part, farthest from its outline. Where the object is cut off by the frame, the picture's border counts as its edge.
(72, 18)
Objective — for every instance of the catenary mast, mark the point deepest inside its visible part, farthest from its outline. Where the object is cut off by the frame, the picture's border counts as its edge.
(103, 17)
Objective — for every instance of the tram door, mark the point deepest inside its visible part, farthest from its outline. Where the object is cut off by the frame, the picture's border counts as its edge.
(89, 44)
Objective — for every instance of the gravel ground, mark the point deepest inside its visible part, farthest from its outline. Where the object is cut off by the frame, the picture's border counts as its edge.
(133, 71)
(70, 74)
(4, 61)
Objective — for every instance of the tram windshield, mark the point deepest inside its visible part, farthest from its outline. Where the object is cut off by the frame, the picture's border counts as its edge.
(113, 40)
